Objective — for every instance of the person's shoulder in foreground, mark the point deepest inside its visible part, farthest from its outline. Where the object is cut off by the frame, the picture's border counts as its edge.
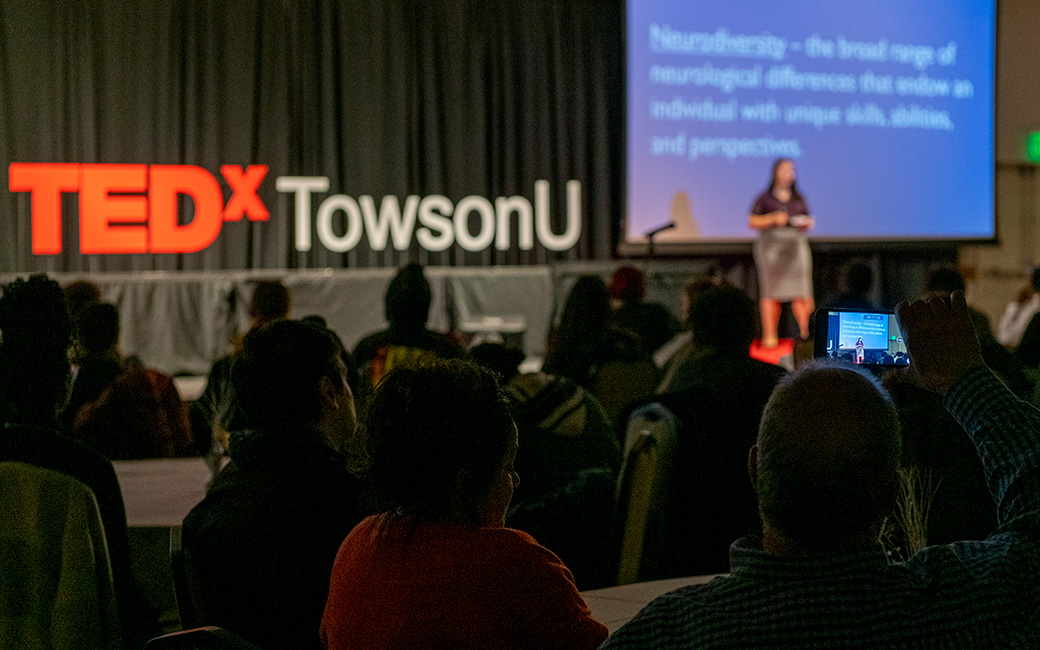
(506, 591)
(796, 588)
(512, 593)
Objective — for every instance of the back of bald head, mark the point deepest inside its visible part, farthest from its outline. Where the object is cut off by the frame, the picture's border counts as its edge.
(828, 450)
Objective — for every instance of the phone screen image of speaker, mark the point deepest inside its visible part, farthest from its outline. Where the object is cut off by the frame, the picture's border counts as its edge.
(865, 338)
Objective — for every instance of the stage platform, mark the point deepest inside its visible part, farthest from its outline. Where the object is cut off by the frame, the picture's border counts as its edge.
(784, 348)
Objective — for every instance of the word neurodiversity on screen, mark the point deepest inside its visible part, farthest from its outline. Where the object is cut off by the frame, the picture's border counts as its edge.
(133, 209)
(663, 39)
(864, 325)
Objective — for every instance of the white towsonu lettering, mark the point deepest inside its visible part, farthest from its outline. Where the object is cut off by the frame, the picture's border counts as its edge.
(435, 222)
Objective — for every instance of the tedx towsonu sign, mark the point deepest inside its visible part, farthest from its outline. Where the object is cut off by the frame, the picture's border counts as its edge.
(133, 209)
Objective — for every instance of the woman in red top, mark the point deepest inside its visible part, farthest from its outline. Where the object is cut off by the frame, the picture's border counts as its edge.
(438, 569)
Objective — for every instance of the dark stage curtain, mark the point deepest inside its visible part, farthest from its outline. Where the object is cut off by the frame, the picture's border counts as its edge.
(385, 97)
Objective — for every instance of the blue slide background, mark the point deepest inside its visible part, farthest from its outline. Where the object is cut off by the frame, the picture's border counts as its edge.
(861, 182)
(872, 328)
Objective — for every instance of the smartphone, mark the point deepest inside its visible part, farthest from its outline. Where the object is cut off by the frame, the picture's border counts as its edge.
(869, 338)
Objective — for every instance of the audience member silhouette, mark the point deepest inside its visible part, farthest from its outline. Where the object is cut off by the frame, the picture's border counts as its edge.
(213, 413)
(944, 280)
(1019, 313)
(586, 338)
(722, 323)
(407, 339)
(825, 469)
(651, 321)
(1028, 350)
(664, 355)
(437, 568)
(854, 282)
(261, 544)
(717, 396)
(34, 375)
(569, 458)
(78, 296)
(118, 406)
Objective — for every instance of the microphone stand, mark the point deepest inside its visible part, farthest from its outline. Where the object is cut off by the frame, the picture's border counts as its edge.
(650, 234)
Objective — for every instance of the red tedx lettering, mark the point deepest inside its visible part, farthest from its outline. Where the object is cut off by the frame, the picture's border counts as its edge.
(165, 234)
(46, 182)
(113, 224)
(244, 200)
(115, 214)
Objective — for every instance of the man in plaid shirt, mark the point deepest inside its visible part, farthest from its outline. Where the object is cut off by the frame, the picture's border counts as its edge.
(825, 472)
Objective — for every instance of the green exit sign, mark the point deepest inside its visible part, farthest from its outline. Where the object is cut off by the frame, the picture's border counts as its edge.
(1033, 147)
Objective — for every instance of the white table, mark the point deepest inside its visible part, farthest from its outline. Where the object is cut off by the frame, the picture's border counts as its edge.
(615, 606)
(161, 491)
(157, 494)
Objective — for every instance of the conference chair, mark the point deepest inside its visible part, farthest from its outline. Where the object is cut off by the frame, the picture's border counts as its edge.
(54, 567)
(618, 383)
(185, 587)
(650, 441)
(200, 638)
(684, 488)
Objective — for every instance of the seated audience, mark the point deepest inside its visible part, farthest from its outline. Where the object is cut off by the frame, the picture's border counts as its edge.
(1028, 350)
(569, 458)
(717, 395)
(944, 280)
(1019, 313)
(663, 355)
(651, 321)
(854, 282)
(212, 414)
(261, 545)
(825, 469)
(437, 568)
(79, 295)
(407, 339)
(722, 324)
(34, 371)
(120, 408)
(586, 339)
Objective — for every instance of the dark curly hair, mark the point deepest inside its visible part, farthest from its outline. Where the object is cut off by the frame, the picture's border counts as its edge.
(34, 363)
(434, 437)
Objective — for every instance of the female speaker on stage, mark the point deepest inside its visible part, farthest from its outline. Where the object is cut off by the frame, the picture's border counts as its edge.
(781, 217)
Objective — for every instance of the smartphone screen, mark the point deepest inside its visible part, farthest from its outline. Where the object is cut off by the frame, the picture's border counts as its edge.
(861, 337)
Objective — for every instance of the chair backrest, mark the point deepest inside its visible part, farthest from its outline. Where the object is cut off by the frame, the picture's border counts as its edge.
(618, 383)
(54, 566)
(201, 638)
(650, 442)
(185, 587)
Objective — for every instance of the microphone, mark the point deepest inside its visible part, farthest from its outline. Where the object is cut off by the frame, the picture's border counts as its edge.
(660, 229)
